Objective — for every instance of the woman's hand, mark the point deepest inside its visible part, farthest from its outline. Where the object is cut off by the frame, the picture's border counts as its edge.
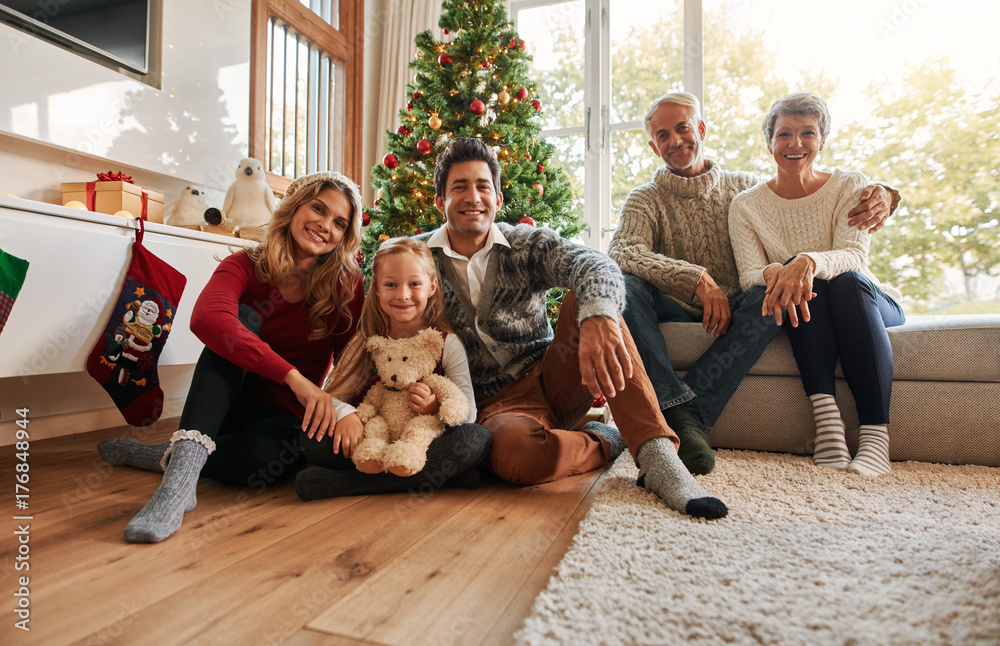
(423, 400)
(348, 435)
(320, 417)
(788, 287)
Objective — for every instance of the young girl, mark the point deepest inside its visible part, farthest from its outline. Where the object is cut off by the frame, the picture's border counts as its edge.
(403, 299)
(271, 319)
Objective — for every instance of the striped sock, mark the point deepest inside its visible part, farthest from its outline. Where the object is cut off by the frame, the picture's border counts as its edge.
(873, 451)
(831, 447)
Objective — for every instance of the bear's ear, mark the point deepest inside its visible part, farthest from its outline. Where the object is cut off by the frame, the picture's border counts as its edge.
(375, 344)
(430, 339)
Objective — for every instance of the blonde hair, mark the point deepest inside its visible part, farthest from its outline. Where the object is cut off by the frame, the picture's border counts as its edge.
(350, 374)
(331, 284)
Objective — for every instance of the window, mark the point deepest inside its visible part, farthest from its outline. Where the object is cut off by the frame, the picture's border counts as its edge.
(306, 87)
(912, 88)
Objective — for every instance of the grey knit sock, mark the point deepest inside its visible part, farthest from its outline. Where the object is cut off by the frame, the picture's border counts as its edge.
(162, 515)
(611, 434)
(663, 473)
(130, 452)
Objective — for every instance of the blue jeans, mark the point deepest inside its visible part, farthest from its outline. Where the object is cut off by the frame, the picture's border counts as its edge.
(714, 377)
(848, 318)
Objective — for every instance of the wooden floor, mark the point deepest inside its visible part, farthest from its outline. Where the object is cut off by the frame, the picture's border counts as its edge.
(259, 566)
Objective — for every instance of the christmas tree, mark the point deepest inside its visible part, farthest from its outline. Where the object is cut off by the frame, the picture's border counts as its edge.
(476, 84)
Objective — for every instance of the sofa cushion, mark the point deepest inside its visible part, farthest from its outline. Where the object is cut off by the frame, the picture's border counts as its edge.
(925, 348)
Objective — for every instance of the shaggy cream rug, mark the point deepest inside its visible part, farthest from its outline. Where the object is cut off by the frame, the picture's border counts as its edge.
(806, 556)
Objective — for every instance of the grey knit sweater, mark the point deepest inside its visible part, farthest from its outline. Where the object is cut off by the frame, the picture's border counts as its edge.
(509, 331)
(674, 228)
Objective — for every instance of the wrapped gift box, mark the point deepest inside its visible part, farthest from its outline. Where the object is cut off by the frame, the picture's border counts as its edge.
(112, 197)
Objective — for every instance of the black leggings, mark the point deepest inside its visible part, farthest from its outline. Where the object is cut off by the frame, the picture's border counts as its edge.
(254, 445)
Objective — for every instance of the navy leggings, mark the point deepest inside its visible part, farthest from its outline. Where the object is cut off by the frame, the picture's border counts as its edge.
(848, 318)
(255, 445)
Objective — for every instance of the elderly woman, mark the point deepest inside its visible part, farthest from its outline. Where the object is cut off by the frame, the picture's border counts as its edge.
(791, 235)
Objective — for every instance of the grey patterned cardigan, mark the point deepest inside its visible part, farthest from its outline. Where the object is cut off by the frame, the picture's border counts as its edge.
(509, 331)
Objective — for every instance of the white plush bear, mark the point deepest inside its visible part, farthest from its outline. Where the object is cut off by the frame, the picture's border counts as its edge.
(187, 210)
(249, 201)
(396, 438)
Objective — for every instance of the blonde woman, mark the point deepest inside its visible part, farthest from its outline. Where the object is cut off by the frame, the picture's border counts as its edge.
(272, 320)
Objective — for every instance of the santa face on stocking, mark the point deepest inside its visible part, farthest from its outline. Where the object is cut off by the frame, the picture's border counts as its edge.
(134, 337)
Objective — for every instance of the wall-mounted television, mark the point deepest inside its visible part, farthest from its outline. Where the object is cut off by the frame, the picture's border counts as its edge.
(115, 31)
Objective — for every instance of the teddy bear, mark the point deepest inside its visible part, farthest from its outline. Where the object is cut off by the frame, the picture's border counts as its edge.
(396, 438)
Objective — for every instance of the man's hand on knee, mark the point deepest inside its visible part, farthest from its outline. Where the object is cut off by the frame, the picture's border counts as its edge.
(604, 359)
(717, 316)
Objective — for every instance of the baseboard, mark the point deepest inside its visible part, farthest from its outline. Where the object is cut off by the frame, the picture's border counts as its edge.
(43, 428)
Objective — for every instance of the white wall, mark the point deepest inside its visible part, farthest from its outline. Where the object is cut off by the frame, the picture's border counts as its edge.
(205, 72)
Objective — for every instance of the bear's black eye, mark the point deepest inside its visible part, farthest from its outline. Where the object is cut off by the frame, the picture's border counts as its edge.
(390, 359)
(404, 358)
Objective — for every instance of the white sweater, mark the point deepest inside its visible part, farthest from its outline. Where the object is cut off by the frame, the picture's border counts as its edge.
(766, 229)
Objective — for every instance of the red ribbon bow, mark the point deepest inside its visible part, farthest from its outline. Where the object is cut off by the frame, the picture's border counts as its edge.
(111, 176)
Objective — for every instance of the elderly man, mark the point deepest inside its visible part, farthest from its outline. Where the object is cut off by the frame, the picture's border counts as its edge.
(673, 246)
(532, 386)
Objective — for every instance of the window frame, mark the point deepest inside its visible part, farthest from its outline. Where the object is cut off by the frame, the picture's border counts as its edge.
(598, 128)
(344, 45)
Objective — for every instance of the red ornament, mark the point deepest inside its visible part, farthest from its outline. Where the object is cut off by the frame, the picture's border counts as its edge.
(409, 106)
(541, 169)
(365, 219)
(540, 189)
(416, 95)
(522, 94)
(360, 258)
(527, 156)
(485, 65)
(390, 161)
(418, 231)
(526, 220)
(444, 59)
(600, 402)
(477, 107)
(536, 104)
(403, 130)
(423, 146)
(445, 32)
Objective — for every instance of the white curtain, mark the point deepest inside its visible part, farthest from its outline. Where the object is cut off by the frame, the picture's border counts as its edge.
(404, 20)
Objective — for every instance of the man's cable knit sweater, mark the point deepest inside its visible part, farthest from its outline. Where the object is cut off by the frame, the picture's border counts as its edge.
(766, 228)
(509, 331)
(675, 228)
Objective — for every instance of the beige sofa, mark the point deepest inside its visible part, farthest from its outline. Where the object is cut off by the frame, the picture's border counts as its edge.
(945, 393)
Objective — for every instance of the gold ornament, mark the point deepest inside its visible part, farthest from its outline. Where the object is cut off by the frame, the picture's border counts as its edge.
(420, 55)
(434, 122)
(382, 238)
(503, 98)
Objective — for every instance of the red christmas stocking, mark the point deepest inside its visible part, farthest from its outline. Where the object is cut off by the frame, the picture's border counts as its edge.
(124, 359)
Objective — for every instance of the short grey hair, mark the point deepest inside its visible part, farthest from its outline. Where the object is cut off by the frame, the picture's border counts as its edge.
(686, 99)
(797, 103)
